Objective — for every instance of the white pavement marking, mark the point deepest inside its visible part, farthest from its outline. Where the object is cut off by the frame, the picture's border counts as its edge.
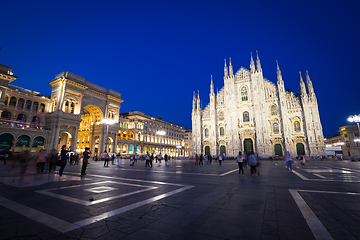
(317, 228)
(229, 172)
(300, 175)
(323, 180)
(318, 175)
(87, 203)
(64, 226)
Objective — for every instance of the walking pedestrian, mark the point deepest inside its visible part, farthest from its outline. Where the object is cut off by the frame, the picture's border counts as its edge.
(132, 160)
(53, 158)
(151, 159)
(196, 159)
(63, 161)
(106, 159)
(112, 159)
(118, 159)
(220, 159)
(147, 160)
(166, 159)
(24, 161)
(40, 161)
(288, 161)
(158, 157)
(86, 156)
(240, 161)
(245, 159)
(201, 159)
(252, 162)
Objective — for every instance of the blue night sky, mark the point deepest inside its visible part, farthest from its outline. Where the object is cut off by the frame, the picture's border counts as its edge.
(156, 53)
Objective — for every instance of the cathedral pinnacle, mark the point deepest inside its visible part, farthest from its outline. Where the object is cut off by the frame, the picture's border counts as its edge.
(278, 72)
(309, 83)
(252, 64)
(258, 65)
(211, 86)
(302, 86)
(231, 71)
(225, 70)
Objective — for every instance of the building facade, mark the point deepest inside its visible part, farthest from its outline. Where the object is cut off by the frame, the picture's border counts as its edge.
(73, 115)
(140, 133)
(350, 143)
(250, 113)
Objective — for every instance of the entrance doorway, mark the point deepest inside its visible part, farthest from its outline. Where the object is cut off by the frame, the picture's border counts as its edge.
(222, 150)
(207, 150)
(248, 146)
(278, 150)
(300, 150)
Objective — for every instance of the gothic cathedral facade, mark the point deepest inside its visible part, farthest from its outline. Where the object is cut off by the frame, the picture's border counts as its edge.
(250, 113)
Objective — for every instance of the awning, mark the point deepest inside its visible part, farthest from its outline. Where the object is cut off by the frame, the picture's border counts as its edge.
(38, 141)
(6, 141)
(23, 140)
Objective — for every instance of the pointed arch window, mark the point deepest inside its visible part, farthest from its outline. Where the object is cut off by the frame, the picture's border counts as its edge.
(12, 102)
(67, 103)
(244, 93)
(276, 128)
(297, 127)
(222, 131)
(246, 117)
(21, 103)
(206, 132)
(273, 110)
(221, 116)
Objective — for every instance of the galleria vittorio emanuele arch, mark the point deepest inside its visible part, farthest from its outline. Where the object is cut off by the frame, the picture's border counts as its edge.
(251, 113)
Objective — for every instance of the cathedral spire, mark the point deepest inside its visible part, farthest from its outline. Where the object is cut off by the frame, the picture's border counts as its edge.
(198, 101)
(258, 65)
(211, 86)
(225, 70)
(302, 86)
(231, 71)
(309, 83)
(194, 101)
(278, 72)
(252, 64)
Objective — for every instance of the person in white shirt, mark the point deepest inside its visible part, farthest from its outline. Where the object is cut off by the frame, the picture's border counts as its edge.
(240, 161)
(158, 157)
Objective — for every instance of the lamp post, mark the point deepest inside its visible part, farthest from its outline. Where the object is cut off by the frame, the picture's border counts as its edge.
(160, 133)
(107, 122)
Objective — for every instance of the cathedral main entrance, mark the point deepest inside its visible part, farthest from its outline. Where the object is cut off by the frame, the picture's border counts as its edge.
(222, 150)
(248, 146)
(207, 150)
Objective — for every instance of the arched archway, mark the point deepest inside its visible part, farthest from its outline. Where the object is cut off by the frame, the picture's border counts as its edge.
(222, 150)
(64, 139)
(6, 141)
(248, 146)
(22, 143)
(278, 150)
(207, 150)
(300, 150)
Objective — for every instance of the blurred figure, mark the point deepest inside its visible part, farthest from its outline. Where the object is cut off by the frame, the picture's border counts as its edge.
(24, 158)
(147, 160)
(159, 157)
(151, 159)
(40, 161)
(106, 159)
(53, 158)
(220, 159)
(62, 162)
(166, 159)
(201, 159)
(288, 161)
(253, 162)
(239, 159)
(118, 159)
(86, 156)
(196, 159)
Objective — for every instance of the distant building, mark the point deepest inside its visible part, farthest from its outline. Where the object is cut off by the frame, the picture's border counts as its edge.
(250, 113)
(188, 143)
(141, 133)
(333, 145)
(350, 138)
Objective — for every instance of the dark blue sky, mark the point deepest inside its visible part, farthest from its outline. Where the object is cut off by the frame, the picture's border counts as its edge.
(156, 53)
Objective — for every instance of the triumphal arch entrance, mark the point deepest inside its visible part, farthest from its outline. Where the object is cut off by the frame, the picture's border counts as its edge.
(80, 113)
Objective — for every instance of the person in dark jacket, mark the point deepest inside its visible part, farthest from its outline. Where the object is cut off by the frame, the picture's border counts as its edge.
(63, 159)
(86, 157)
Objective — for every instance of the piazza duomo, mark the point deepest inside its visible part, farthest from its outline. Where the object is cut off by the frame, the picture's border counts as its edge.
(249, 113)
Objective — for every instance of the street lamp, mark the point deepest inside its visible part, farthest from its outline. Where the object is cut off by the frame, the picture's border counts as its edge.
(160, 133)
(106, 121)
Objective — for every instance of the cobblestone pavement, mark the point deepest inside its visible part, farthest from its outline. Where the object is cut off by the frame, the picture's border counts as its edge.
(182, 201)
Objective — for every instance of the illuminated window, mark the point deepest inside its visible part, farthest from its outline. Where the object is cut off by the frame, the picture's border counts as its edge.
(276, 128)
(273, 110)
(244, 94)
(246, 117)
(222, 131)
(297, 126)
